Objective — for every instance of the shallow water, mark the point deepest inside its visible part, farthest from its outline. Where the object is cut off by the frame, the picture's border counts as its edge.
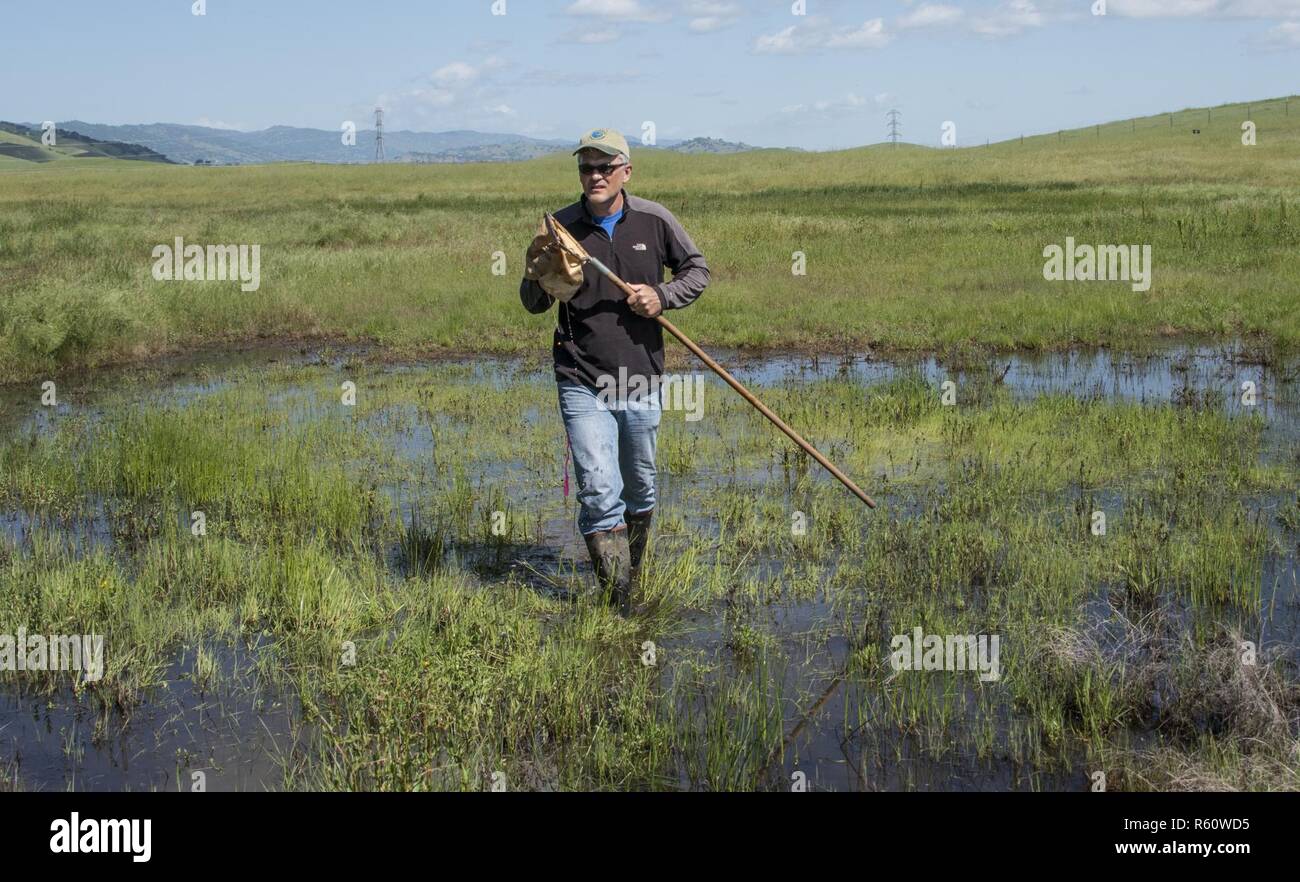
(1176, 374)
(235, 736)
(186, 735)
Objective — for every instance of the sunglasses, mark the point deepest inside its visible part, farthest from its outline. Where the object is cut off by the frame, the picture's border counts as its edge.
(605, 169)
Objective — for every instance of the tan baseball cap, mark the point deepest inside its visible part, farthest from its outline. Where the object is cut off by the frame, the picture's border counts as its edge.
(604, 140)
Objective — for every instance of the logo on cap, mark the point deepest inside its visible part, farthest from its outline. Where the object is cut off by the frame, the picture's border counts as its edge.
(599, 133)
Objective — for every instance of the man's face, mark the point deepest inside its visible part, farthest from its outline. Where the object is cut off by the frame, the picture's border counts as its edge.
(605, 175)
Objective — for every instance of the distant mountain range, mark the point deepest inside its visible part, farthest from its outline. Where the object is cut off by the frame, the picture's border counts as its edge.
(191, 144)
(201, 144)
(711, 145)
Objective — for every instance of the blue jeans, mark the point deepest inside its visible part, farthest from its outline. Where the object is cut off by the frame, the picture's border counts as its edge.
(613, 455)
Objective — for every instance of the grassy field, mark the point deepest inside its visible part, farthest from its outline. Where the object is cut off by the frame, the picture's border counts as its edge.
(908, 248)
(393, 595)
(477, 652)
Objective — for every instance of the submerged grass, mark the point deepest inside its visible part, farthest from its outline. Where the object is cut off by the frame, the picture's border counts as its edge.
(356, 549)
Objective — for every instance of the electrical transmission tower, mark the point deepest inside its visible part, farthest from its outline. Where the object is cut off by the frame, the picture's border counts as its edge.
(379, 134)
(893, 126)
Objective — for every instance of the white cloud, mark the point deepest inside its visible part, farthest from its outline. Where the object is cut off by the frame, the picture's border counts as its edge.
(1160, 8)
(455, 74)
(819, 34)
(1002, 19)
(870, 36)
(457, 85)
(1010, 18)
(835, 107)
(931, 15)
(708, 24)
(781, 42)
(709, 15)
(617, 10)
(503, 109)
(1204, 8)
(1281, 37)
(1262, 8)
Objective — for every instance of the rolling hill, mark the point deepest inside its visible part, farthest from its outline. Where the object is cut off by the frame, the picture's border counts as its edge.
(211, 146)
(23, 144)
(190, 144)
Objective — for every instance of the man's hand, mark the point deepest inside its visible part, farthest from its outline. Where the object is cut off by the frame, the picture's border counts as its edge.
(536, 252)
(644, 300)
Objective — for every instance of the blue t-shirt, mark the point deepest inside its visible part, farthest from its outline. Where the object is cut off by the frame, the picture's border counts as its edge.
(607, 223)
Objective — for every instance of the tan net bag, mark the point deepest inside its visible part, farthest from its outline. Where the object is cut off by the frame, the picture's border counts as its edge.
(555, 260)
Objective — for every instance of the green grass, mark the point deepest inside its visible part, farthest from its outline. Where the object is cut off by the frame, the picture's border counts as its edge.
(371, 525)
(52, 154)
(11, 138)
(909, 248)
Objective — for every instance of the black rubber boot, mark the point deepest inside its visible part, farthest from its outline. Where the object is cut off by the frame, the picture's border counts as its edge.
(638, 536)
(610, 557)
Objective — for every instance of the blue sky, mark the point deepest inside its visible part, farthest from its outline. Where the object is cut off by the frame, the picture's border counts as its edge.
(746, 70)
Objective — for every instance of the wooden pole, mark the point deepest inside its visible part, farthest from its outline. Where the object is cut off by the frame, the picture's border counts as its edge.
(740, 388)
(766, 411)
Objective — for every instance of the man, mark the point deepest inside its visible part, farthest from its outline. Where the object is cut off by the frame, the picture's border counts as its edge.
(599, 330)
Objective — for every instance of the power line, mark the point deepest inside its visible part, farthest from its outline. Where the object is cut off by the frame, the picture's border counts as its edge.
(893, 126)
(379, 134)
